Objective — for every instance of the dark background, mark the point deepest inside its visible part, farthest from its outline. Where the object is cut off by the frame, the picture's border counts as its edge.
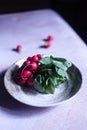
(73, 11)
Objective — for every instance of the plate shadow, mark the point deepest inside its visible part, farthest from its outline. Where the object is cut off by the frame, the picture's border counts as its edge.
(15, 108)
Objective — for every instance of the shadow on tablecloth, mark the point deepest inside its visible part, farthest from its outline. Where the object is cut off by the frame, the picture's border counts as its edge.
(11, 106)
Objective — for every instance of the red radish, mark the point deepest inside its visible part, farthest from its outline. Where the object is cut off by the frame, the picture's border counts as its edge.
(26, 63)
(35, 58)
(29, 58)
(30, 82)
(40, 56)
(18, 72)
(26, 73)
(33, 66)
(48, 44)
(19, 48)
(22, 81)
(50, 38)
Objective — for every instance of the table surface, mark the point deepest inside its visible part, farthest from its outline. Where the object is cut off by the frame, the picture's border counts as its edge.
(29, 29)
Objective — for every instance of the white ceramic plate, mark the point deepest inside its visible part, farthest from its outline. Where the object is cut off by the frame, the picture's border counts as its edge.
(34, 98)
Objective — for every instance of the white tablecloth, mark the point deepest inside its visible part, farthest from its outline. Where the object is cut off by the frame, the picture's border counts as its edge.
(29, 29)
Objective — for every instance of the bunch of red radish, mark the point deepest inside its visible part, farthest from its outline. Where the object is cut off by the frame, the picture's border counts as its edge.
(24, 74)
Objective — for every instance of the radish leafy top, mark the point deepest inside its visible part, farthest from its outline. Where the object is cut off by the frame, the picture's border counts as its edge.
(52, 72)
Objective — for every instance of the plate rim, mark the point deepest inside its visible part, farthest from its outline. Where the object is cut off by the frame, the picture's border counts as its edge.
(31, 104)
